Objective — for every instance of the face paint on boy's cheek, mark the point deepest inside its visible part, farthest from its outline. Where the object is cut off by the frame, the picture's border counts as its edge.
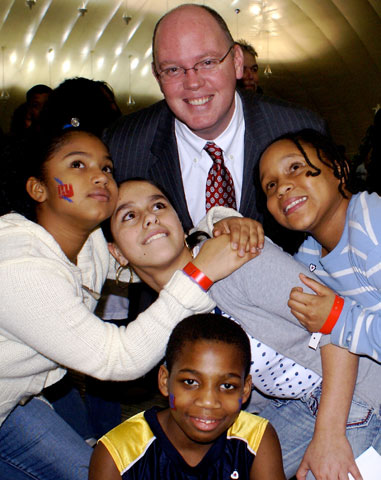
(64, 190)
(239, 404)
(172, 401)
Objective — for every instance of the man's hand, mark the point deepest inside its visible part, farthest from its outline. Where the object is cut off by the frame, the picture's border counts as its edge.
(246, 235)
(311, 310)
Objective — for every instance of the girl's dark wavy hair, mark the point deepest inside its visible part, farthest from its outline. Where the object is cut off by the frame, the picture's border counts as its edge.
(191, 241)
(330, 155)
(24, 158)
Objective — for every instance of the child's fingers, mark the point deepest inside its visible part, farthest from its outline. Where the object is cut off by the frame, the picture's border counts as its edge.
(261, 237)
(299, 296)
(296, 289)
(221, 228)
(301, 319)
(239, 237)
(246, 235)
(317, 287)
(296, 306)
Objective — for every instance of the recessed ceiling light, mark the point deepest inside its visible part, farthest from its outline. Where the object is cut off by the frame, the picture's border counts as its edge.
(255, 9)
(66, 66)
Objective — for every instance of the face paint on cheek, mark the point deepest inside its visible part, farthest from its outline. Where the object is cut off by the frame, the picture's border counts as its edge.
(239, 404)
(172, 401)
(64, 190)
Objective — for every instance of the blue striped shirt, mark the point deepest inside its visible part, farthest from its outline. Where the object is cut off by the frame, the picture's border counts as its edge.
(353, 270)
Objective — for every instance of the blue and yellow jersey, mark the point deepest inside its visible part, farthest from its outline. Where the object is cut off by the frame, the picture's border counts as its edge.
(142, 451)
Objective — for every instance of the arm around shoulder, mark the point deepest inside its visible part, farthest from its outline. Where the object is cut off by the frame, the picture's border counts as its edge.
(102, 465)
(268, 464)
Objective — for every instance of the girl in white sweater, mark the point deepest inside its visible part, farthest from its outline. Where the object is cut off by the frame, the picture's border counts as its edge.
(53, 262)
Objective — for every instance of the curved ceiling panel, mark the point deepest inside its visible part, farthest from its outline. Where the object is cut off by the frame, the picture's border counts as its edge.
(324, 54)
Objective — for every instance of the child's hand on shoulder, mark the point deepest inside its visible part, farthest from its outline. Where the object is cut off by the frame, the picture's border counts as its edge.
(246, 235)
(311, 310)
(217, 259)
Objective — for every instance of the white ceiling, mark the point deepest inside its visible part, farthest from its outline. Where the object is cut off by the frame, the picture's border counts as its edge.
(325, 54)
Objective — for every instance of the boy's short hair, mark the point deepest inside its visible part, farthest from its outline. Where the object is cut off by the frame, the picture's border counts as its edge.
(209, 327)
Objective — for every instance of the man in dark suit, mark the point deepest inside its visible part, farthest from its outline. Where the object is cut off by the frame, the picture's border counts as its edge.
(165, 141)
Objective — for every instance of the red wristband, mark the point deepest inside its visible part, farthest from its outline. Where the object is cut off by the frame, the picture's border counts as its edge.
(334, 314)
(197, 275)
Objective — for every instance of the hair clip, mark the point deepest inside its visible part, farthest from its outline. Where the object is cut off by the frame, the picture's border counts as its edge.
(74, 122)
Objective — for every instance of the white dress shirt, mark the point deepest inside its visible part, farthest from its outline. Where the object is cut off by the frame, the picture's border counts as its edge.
(195, 162)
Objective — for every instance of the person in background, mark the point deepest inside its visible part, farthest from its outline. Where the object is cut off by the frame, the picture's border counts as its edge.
(204, 433)
(21, 121)
(36, 98)
(250, 78)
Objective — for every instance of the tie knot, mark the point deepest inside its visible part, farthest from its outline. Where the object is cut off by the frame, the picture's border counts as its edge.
(213, 150)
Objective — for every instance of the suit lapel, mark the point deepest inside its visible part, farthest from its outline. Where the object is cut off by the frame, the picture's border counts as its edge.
(165, 168)
(252, 146)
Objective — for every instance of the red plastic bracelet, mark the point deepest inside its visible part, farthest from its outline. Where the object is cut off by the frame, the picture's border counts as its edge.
(334, 314)
(197, 275)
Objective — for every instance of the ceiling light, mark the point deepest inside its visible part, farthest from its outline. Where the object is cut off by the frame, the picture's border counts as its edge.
(267, 72)
(255, 9)
(50, 55)
(13, 57)
(130, 101)
(28, 39)
(31, 66)
(82, 10)
(4, 94)
(126, 18)
(144, 71)
(148, 52)
(134, 63)
(30, 3)
(66, 66)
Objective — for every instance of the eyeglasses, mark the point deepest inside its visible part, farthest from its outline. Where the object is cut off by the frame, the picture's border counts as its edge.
(174, 74)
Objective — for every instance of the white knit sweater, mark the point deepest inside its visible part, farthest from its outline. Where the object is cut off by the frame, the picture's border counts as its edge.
(46, 322)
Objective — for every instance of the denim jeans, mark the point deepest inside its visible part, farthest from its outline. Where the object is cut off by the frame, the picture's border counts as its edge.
(294, 422)
(36, 443)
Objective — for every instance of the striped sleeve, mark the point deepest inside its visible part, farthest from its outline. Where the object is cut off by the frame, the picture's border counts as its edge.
(359, 328)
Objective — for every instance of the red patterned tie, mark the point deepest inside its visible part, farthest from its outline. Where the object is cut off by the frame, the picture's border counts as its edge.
(219, 185)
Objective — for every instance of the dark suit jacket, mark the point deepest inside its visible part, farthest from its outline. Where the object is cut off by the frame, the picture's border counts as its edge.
(143, 144)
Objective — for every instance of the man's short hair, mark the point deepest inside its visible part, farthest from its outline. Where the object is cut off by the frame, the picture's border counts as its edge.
(37, 90)
(209, 327)
(247, 47)
(221, 22)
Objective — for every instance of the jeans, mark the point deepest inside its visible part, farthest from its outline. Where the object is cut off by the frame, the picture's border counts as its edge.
(67, 402)
(294, 422)
(36, 443)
